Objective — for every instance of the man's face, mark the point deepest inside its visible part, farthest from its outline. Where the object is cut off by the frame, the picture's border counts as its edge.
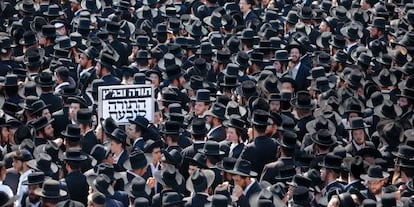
(238, 180)
(83, 60)
(32, 197)
(156, 154)
(375, 186)
(155, 79)
(98, 68)
(48, 131)
(46, 113)
(130, 131)
(73, 109)
(295, 55)
(181, 81)
(115, 147)
(323, 174)
(200, 108)
(17, 165)
(373, 32)
(274, 106)
(244, 6)
(403, 103)
(287, 86)
(323, 27)
(359, 136)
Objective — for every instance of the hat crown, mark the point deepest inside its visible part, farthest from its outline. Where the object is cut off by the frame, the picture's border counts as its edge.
(44, 161)
(236, 121)
(198, 126)
(51, 188)
(10, 80)
(36, 177)
(203, 95)
(281, 55)
(106, 169)
(172, 127)
(301, 180)
(138, 184)
(243, 166)
(211, 147)
(137, 159)
(64, 42)
(375, 171)
(73, 130)
(260, 117)
(303, 98)
(199, 180)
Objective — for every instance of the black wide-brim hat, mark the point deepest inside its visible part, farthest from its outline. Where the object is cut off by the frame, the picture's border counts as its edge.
(385, 78)
(44, 164)
(119, 134)
(331, 161)
(243, 168)
(388, 110)
(169, 177)
(211, 148)
(375, 173)
(50, 189)
(353, 31)
(323, 137)
(199, 160)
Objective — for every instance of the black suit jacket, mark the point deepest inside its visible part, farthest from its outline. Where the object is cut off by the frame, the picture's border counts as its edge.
(253, 190)
(12, 179)
(251, 16)
(53, 100)
(89, 141)
(218, 134)
(197, 200)
(119, 166)
(302, 83)
(357, 184)
(61, 120)
(110, 80)
(139, 144)
(260, 152)
(272, 169)
(122, 50)
(77, 187)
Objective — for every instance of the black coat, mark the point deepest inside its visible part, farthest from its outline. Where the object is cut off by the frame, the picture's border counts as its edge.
(61, 120)
(197, 200)
(272, 169)
(301, 81)
(123, 52)
(260, 152)
(89, 141)
(244, 199)
(139, 144)
(12, 179)
(357, 184)
(250, 17)
(119, 165)
(110, 80)
(218, 134)
(53, 100)
(77, 186)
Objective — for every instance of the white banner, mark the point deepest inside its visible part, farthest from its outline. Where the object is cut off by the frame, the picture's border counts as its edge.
(124, 102)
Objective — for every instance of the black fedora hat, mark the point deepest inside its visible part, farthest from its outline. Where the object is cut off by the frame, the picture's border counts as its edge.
(385, 78)
(301, 196)
(357, 123)
(300, 180)
(289, 140)
(323, 40)
(244, 168)
(101, 183)
(232, 70)
(339, 13)
(49, 31)
(137, 160)
(282, 56)
(285, 172)
(169, 96)
(170, 199)
(74, 154)
(119, 135)
(172, 72)
(242, 59)
(388, 110)
(235, 121)
(404, 152)
(375, 172)
(99, 153)
(303, 100)
(140, 121)
(214, 20)
(234, 108)
(169, 176)
(171, 127)
(203, 95)
(205, 49)
(331, 161)
(322, 84)
(50, 189)
(45, 79)
(43, 163)
(227, 163)
(84, 116)
(261, 118)
(34, 57)
(199, 160)
(317, 72)
(196, 28)
(307, 13)
(198, 127)
(112, 27)
(34, 178)
(38, 106)
(53, 11)
(196, 82)
(109, 125)
(247, 89)
(29, 38)
(352, 31)
(138, 188)
(108, 57)
(323, 137)
(72, 132)
(26, 6)
(50, 148)
(41, 123)
(168, 60)
(200, 180)
(364, 58)
(211, 148)
(64, 43)
(338, 41)
(379, 22)
(408, 93)
(217, 110)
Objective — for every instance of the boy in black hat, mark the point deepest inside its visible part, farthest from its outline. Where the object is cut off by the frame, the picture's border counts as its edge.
(84, 119)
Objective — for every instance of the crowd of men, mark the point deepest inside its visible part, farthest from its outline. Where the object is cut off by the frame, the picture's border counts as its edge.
(257, 103)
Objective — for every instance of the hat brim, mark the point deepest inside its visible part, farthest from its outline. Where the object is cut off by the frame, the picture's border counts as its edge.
(206, 153)
(33, 164)
(90, 180)
(317, 141)
(39, 192)
(235, 172)
(366, 177)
